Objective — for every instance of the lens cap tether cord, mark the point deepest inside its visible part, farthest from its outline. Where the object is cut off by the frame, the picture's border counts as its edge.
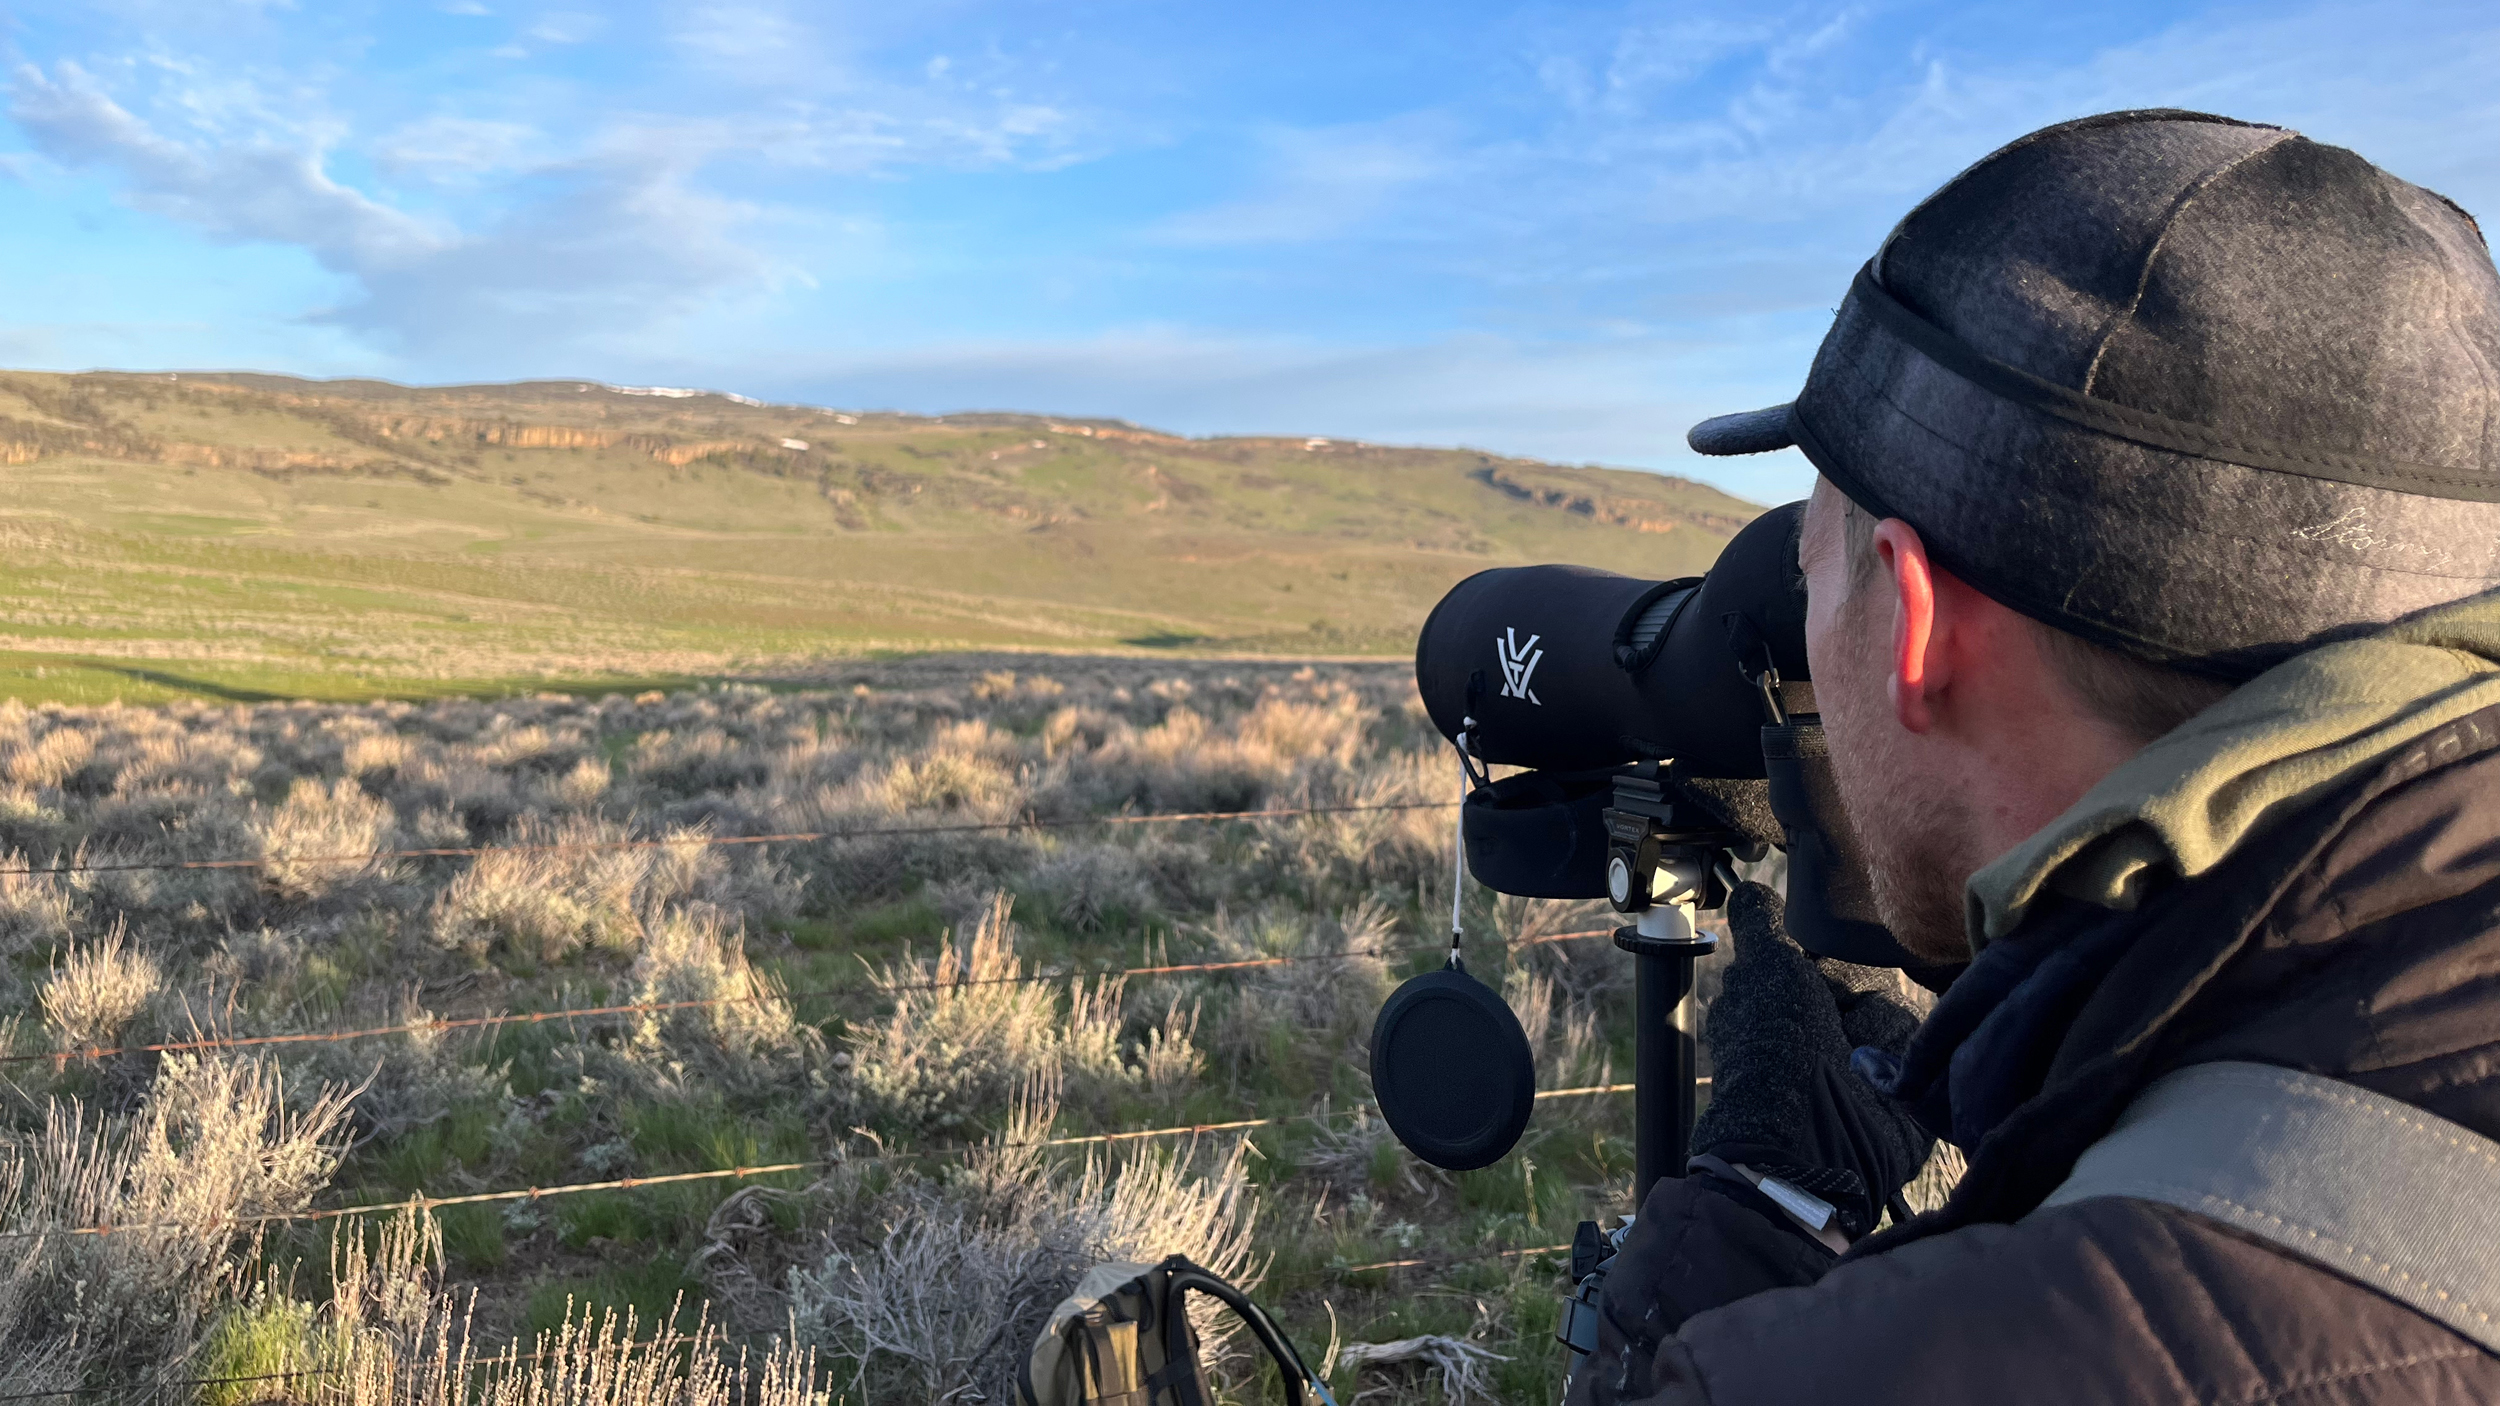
(1471, 778)
(1451, 1069)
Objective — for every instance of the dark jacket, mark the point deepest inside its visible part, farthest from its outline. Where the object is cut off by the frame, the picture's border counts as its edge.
(2359, 939)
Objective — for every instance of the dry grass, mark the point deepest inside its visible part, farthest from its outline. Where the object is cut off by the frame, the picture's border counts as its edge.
(935, 1289)
(212, 1142)
(911, 1275)
(96, 991)
(391, 1333)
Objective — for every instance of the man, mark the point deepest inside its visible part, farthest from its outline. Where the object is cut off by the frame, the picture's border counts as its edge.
(2153, 622)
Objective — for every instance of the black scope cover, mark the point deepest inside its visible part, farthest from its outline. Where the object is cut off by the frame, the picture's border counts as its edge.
(1532, 654)
(1540, 834)
(1451, 1070)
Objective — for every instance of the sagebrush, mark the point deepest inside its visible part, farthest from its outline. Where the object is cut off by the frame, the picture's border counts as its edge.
(932, 1230)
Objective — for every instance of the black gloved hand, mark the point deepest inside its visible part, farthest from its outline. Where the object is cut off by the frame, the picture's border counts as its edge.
(1783, 1098)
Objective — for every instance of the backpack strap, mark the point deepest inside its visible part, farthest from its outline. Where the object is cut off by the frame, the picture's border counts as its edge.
(2370, 1187)
(1300, 1381)
(1111, 1376)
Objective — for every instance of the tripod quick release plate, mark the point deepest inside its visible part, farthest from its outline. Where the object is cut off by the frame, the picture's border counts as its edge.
(1657, 852)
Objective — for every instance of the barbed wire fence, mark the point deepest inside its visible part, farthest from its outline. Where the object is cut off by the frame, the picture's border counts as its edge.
(425, 1202)
(438, 1025)
(265, 860)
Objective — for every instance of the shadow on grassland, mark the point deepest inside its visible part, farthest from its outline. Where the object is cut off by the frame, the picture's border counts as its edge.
(205, 688)
(78, 681)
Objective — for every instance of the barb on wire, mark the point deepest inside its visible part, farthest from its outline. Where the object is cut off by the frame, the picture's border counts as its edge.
(715, 841)
(480, 1022)
(1445, 1261)
(422, 1201)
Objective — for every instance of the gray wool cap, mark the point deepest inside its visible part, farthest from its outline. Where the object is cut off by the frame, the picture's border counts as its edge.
(2203, 391)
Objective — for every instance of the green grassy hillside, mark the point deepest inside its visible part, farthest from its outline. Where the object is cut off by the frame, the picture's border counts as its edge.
(253, 536)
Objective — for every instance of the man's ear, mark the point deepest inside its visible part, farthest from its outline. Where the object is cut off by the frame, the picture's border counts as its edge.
(1920, 662)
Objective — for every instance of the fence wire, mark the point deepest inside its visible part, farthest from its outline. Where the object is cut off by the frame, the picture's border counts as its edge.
(1451, 1261)
(422, 1201)
(166, 1385)
(264, 861)
(866, 988)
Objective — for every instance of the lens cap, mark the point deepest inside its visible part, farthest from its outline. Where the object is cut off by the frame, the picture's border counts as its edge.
(1451, 1070)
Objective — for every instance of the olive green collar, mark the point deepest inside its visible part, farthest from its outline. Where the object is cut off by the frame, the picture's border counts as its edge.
(2275, 744)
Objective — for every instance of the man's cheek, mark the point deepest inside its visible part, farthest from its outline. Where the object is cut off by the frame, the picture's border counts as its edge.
(1818, 636)
(1838, 653)
(1822, 609)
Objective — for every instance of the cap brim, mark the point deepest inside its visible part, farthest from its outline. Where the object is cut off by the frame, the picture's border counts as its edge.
(1746, 432)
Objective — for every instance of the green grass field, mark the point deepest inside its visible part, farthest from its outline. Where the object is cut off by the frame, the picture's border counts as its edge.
(250, 537)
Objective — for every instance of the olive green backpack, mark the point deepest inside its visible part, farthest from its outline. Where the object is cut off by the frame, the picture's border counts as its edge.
(1123, 1339)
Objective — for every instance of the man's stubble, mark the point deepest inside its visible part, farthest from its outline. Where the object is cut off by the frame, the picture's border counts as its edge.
(1910, 828)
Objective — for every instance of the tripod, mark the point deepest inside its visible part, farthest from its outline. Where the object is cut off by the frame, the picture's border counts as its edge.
(1662, 869)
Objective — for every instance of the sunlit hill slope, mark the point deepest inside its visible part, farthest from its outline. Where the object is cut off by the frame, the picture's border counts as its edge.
(247, 535)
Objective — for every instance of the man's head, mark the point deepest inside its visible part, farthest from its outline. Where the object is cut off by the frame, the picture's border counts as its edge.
(2131, 410)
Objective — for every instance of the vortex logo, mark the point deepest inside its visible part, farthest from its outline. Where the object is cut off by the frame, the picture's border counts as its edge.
(1519, 663)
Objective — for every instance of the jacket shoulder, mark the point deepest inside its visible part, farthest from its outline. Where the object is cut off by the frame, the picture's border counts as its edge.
(2106, 1300)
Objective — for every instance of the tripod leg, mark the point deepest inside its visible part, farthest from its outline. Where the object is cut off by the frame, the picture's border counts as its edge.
(1687, 1081)
(1662, 1067)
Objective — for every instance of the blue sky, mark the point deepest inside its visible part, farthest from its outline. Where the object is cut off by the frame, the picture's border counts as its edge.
(1564, 231)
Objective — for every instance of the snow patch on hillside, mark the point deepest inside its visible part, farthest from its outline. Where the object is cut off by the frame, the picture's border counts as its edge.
(679, 393)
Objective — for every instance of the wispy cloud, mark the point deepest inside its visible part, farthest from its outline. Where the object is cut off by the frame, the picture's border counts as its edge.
(448, 147)
(798, 84)
(620, 247)
(1646, 60)
(1840, 110)
(1741, 163)
(566, 27)
(240, 190)
(617, 241)
(1318, 183)
(534, 222)
(756, 42)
